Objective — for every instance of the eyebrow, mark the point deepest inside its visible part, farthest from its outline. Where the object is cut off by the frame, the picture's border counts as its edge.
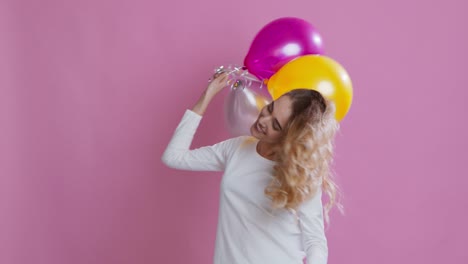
(276, 120)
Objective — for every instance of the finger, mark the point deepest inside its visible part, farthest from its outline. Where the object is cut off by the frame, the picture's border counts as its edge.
(222, 79)
(221, 76)
(218, 73)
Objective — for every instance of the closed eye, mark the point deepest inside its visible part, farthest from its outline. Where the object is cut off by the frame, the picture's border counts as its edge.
(275, 124)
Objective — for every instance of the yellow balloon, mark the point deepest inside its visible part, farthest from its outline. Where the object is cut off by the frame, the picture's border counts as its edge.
(316, 72)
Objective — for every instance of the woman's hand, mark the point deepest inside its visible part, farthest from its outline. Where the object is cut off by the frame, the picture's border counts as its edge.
(215, 86)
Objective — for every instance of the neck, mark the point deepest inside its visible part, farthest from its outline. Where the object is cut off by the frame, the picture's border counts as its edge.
(266, 150)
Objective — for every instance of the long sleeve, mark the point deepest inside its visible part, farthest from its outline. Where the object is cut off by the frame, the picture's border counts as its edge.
(209, 158)
(310, 216)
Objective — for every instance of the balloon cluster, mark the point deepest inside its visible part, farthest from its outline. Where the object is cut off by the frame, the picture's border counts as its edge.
(286, 54)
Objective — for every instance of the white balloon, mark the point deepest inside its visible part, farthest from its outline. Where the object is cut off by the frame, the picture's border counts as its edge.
(242, 107)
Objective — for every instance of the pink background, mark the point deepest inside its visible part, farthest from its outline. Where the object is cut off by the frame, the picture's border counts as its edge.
(91, 91)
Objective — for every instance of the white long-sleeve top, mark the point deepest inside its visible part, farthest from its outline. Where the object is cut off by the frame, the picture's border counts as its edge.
(249, 231)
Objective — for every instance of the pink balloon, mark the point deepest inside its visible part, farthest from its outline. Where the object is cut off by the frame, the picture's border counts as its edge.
(279, 42)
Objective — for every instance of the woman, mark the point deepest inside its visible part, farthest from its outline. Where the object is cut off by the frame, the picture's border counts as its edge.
(270, 205)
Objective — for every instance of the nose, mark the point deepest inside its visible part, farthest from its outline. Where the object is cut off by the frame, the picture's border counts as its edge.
(261, 124)
(262, 121)
(263, 118)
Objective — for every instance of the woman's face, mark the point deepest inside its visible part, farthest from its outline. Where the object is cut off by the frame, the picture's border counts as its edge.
(272, 120)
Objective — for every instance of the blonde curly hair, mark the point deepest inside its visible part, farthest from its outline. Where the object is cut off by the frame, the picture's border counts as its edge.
(304, 154)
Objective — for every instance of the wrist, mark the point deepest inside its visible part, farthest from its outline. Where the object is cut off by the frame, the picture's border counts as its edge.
(208, 95)
(202, 103)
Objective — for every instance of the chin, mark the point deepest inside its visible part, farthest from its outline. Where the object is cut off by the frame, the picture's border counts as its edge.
(252, 133)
